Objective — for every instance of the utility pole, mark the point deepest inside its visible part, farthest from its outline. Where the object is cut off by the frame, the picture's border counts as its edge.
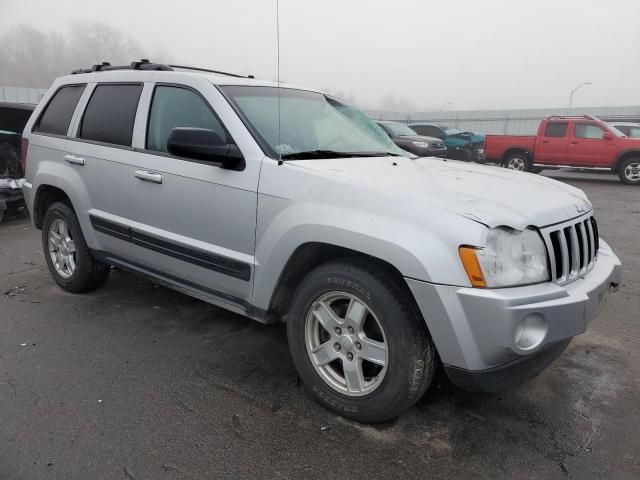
(575, 90)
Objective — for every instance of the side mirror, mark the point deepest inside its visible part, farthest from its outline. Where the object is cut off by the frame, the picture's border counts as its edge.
(204, 144)
(608, 136)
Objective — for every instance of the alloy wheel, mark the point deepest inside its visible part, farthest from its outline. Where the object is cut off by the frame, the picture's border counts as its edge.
(62, 248)
(346, 344)
(632, 172)
(516, 163)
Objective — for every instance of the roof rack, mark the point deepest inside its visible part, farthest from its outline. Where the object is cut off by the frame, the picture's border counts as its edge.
(588, 117)
(219, 72)
(145, 64)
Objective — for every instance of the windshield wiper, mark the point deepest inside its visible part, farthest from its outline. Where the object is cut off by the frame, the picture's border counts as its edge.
(311, 154)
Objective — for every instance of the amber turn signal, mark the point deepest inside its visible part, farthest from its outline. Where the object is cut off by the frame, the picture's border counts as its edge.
(472, 267)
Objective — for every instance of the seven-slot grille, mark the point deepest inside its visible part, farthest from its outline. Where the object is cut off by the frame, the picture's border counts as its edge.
(437, 145)
(573, 248)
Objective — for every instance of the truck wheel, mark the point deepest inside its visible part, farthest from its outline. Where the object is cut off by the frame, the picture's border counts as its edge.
(629, 171)
(464, 155)
(358, 342)
(70, 261)
(518, 161)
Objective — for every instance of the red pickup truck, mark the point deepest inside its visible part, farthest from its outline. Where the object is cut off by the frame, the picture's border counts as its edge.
(578, 142)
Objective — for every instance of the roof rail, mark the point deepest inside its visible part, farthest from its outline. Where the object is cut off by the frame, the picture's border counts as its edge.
(588, 117)
(143, 64)
(219, 72)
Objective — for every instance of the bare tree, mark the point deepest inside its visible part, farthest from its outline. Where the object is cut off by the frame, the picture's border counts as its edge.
(33, 58)
(91, 43)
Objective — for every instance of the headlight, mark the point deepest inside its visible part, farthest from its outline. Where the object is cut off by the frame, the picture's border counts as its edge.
(421, 144)
(509, 258)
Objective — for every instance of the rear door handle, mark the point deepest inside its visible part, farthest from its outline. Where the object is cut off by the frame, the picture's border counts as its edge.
(74, 160)
(146, 176)
(574, 143)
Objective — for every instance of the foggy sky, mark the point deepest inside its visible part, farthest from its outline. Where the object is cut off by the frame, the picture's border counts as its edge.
(416, 54)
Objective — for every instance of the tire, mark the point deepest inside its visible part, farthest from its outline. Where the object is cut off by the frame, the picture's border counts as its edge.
(518, 161)
(463, 155)
(87, 273)
(629, 171)
(410, 358)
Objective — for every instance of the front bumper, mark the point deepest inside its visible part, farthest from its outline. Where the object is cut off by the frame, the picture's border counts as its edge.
(431, 152)
(517, 331)
(437, 152)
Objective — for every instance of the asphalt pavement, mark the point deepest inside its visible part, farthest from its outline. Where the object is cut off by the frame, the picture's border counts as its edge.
(135, 381)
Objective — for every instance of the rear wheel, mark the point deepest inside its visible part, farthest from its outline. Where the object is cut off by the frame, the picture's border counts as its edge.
(518, 161)
(358, 342)
(70, 261)
(629, 171)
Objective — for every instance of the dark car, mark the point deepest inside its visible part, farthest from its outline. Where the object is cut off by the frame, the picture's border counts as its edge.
(13, 118)
(408, 140)
(467, 146)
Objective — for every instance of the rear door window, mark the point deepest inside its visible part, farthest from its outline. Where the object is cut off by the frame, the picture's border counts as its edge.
(586, 130)
(555, 129)
(56, 117)
(173, 107)
(110, 114)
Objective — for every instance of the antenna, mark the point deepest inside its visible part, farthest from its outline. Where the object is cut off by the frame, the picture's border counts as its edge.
(278, 75)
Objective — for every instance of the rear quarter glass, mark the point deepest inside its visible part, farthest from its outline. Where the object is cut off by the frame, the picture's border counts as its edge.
(56, 117)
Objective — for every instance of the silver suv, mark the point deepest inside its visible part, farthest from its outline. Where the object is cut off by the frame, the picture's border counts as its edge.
(285, 204)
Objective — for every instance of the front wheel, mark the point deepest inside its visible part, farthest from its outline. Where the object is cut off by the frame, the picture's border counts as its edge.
(518, 161)
(464, 155)
(629, 171)
(358, 342)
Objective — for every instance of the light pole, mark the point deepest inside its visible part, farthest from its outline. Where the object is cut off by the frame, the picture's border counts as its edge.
(575, 90)
(444, 106)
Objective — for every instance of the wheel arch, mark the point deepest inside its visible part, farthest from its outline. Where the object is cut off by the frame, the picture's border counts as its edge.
(45, 196)
(310, 255)
(512, 150)
(624, 155)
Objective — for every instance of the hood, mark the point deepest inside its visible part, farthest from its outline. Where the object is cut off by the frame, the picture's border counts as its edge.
(418, 138)
(490, 195)
(464, 138)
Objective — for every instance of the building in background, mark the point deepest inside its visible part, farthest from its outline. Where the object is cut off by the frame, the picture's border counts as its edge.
(21, 95)
(506, 122)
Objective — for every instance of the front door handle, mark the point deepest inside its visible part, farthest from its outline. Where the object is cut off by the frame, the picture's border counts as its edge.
(574, 143)
(146, 176)
(74, 160)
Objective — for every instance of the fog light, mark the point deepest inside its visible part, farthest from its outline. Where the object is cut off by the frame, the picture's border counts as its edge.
(530, 331)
